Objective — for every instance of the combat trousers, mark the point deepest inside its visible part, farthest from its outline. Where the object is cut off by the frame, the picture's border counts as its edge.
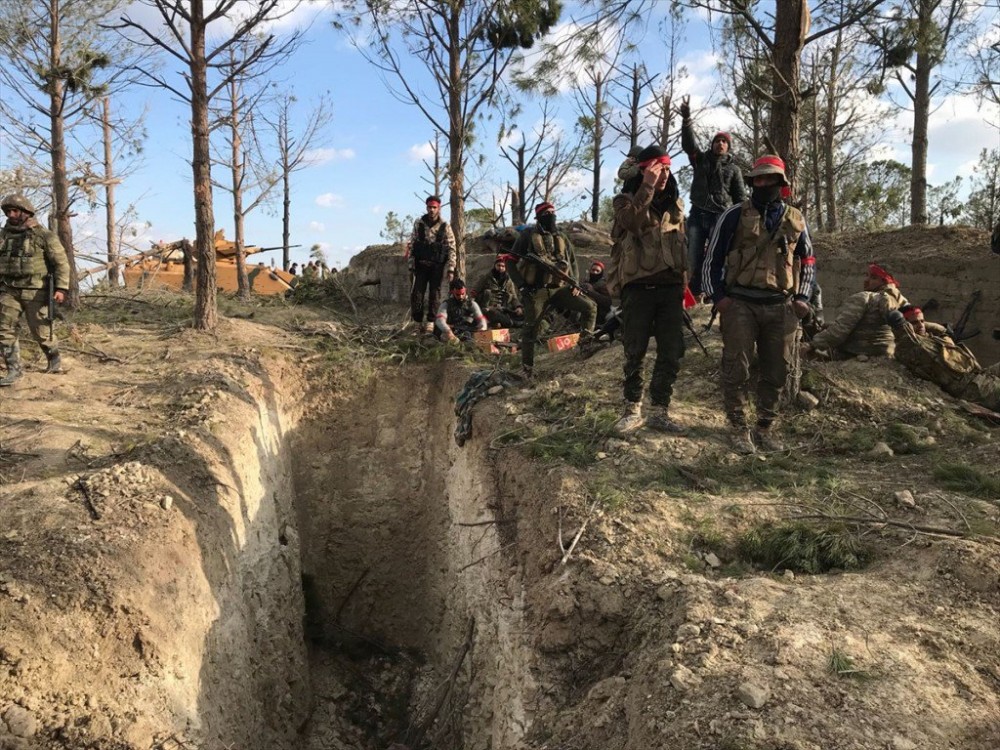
(768, 330)
(983, 388)
(657, 312)
(699, 230)
(537, 301)
(427, 280)
(32, 302)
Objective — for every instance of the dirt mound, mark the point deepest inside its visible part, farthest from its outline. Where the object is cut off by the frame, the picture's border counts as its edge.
(907, 247)
(268, 538)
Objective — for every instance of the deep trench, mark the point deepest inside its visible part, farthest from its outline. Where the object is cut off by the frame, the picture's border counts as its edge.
(412, 608)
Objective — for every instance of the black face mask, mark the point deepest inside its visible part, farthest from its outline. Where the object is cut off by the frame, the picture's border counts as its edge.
(547, 223)
(766, 194)
(500, 276)
(595, 277)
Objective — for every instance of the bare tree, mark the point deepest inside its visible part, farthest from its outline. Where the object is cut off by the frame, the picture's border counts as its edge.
(295, 140)
(58, 59)
(915, 39)
(465, 46)
(184, 38)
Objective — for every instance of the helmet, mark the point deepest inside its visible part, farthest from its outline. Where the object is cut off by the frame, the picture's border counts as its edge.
(16, 200)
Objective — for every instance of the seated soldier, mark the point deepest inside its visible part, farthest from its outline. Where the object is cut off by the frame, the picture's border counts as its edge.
(860, 328)
(940, 360)
(458, 316)
(497, 296)
(915, 317)
(596, 287)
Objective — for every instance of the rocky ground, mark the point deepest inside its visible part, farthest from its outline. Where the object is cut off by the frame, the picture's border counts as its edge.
(162, 499)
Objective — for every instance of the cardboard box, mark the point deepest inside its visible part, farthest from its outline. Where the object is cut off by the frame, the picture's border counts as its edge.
(563, 343)
(486, 341)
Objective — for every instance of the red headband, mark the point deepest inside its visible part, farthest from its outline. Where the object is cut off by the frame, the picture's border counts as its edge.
(597, 263)
(874, 269)
(770, 161)
(655, 160)
(542, 207)
(434, 203)
(913, 313)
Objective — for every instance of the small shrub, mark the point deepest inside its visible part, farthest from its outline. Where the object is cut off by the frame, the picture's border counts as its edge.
(842, 665)
(970, 480)
(906, 439)
(801, 547)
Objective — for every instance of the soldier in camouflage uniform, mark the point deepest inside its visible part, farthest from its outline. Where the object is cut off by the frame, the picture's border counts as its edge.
(860, 327)
(939, 360)
(497, 296)
(759, 271)
(28, 253)
(539, 288)
(648, 271)
(432, 253)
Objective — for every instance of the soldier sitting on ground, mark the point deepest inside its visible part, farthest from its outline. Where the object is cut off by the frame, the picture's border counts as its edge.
(458, 316)
(860, 328)
(915, 317)
(940, 360)
(496, 295)
(596, 287)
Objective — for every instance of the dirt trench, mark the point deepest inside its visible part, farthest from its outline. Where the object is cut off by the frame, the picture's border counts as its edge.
(413, 611)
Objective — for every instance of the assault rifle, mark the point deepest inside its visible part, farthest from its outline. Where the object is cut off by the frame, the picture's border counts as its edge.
(50, 281)
(963, 319)
(564, 276)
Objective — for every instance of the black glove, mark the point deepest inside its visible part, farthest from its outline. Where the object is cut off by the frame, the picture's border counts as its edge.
(895, 319)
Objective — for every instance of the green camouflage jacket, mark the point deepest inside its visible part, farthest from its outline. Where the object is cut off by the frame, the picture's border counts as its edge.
(860, 327)
(29, 254)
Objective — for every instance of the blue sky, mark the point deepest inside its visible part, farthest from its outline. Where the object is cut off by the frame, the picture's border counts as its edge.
(369, 161)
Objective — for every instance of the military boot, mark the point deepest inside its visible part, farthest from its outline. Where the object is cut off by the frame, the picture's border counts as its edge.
(12, 356)
(742, 440)
(766, 439)
(631, 418)
(659, 419)
(54, 360)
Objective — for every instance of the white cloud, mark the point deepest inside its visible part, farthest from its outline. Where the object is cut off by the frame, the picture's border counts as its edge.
(378, 208)
(319, 156)
(317, 226)
(422, 151)
(330, 200)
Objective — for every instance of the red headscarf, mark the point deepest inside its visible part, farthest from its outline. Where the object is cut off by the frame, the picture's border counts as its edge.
(874, 269)
(913, 313)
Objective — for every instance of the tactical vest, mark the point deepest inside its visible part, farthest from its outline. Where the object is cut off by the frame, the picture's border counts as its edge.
(22, 258)
(427, 251)
(948, 365)
(759, 259)
(550, 247)
(660, 247)
(461, 314)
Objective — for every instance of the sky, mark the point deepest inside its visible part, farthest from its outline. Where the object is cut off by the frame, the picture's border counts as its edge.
(369, 160)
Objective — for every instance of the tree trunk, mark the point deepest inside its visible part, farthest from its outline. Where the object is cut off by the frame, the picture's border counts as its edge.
(516, 208)
(814, 161)
(206, 314)
(921, 114)
(521, 211)
(60, 184)
(109, 196)
(242, 281)
(456, 136)
(595, 203)
(791, 25)
(187, 251)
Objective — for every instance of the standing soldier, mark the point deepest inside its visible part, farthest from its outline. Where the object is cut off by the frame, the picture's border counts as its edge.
(432, 252)
(759, 271)
(28, 253)
(648, 271)
(715, 186)
(541, 288)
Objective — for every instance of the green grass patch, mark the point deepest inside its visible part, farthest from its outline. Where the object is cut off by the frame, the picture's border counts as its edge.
(968, 480)
(802, 547)
(575, 443)
(905, 439)
(842, 665)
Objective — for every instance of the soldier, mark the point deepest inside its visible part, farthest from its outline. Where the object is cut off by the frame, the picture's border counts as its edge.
(28, 253)
(716, 184)
(432, 252)
(940, 360)
(459, 315)
(540, 289)
(915, 317)
(648, 272)
(596, 287)
(759, 271)
(860, 327)
(497, 296)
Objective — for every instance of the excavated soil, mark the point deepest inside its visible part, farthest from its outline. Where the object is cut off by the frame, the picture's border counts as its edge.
(268, 538)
